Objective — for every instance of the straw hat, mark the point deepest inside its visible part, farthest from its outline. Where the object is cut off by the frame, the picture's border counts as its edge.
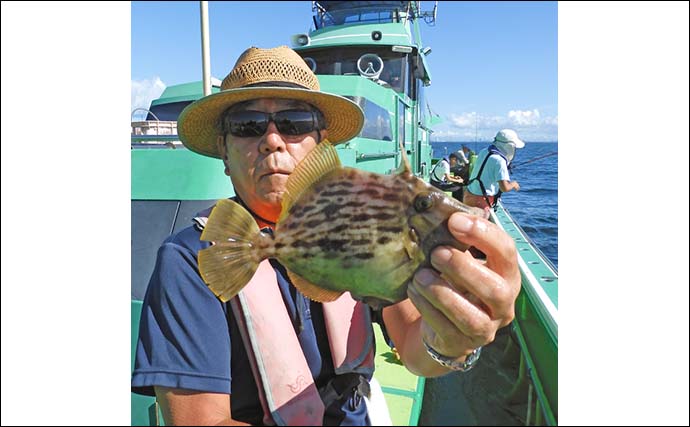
(197, 124)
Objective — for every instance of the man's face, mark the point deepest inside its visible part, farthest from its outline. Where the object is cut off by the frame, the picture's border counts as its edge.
(453, 161)
(260, 166)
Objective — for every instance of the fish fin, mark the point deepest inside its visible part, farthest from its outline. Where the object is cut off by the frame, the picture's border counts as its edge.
(312, 291)
(229, 264)
(320, 161)
(404, 168)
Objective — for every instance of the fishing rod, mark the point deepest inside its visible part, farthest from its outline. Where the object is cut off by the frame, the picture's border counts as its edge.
(553, 153)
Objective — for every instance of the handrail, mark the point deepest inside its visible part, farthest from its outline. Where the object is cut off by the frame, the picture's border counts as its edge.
(131, 117)
(374, 156)
(143, 125)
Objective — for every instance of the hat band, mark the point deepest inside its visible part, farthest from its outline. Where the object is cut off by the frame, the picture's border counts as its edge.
(277, 84)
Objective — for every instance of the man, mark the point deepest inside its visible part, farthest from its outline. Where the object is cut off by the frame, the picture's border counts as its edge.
(440, 176)
(203, 358)
(490, 176)
(463, 156)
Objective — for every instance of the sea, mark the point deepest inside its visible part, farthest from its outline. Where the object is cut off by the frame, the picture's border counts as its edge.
(535, 206)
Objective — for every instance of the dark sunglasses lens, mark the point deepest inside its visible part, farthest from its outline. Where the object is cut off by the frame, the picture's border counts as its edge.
(245, 124)
(295, 122)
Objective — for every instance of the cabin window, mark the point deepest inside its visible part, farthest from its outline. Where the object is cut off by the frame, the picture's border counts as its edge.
(402, 111)
(377, 120)
(343, 62)
(167, 112)
(339, 13)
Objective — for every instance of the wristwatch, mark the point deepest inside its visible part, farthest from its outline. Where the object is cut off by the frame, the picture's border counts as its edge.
(451, 362)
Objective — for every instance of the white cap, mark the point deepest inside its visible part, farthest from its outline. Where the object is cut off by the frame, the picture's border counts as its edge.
(509, 136)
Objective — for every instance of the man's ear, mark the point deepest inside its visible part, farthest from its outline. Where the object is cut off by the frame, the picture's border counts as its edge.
(220, 144)
(323, 134)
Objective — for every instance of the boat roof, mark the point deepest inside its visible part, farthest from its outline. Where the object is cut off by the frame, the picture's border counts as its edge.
(342, 5)
(185, 92)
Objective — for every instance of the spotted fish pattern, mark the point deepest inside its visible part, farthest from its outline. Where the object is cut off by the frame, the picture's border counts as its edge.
(341, 230)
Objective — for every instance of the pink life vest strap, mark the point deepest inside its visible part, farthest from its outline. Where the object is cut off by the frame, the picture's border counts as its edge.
(286, 387)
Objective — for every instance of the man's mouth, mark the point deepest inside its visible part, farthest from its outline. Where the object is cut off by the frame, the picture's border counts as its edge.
(275, 172)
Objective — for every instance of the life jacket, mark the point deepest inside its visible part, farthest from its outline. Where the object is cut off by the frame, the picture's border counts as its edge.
(286, 387)
(432, 180)
(491, 201)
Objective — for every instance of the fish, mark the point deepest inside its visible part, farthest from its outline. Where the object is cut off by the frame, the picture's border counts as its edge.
(340, 230)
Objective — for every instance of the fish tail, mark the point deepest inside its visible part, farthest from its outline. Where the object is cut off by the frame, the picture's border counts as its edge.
(229, 264)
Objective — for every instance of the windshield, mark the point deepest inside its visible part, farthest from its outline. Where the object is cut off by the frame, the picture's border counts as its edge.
(343, 62)
(357, 12)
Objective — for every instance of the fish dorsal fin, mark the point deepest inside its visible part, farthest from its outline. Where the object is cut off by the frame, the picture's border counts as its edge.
(320, 161)
(312, 291)
(404, 168)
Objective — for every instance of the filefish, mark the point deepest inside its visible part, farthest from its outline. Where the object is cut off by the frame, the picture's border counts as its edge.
(340, 230)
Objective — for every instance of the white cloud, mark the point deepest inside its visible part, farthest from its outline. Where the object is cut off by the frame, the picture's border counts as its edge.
(144, 91)
(464, 119)
(553, 121)
(524, 118)
(466, 126)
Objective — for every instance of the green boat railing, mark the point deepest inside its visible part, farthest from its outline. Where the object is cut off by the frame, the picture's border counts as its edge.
(535, 327)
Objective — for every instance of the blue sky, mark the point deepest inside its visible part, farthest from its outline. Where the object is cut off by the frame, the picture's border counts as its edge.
(493, 64)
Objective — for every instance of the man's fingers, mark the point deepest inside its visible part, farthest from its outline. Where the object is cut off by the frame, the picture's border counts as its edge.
(494, 294)
(486, 236)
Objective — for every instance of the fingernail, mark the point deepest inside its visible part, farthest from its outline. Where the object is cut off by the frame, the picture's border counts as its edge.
(440, 255)
(460, 224)
(424, 277)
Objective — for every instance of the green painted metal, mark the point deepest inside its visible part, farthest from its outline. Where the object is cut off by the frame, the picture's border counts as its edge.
(402, 389)
(182, 92)
(177, 174)
(393, 34)
(536, 310)
(541, 355)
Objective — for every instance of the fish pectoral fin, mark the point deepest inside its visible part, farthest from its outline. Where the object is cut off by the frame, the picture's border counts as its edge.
(312, 291)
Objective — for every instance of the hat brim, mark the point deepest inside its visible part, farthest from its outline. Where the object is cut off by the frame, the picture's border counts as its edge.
(518, 142)
(197, 124)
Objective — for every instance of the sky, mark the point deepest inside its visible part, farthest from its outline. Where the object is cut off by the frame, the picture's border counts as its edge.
(493, 64)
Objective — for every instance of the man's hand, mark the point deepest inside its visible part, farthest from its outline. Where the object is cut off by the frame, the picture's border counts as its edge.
(463, 301)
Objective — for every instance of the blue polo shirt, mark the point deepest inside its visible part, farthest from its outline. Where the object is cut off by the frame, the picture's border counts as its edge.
(187, 339)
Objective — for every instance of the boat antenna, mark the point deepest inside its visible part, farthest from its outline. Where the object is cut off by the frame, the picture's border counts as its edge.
(205, 47)
(476, 134)
(429, 16)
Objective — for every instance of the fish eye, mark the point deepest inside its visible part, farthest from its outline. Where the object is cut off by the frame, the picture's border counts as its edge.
(423, 202)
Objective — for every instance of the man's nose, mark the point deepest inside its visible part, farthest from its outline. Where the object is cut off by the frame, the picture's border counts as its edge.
(272, 140)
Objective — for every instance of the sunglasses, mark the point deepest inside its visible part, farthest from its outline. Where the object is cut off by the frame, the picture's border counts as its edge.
(247, 124)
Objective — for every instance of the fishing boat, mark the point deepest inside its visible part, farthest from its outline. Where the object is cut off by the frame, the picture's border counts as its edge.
(372, 53)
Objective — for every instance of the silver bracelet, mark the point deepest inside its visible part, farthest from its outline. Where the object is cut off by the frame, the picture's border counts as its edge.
(451, 362)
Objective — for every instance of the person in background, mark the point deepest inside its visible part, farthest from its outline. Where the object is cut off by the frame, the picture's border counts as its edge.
(203, 358)
(441, 176)
(463, 156)
(491, 177)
